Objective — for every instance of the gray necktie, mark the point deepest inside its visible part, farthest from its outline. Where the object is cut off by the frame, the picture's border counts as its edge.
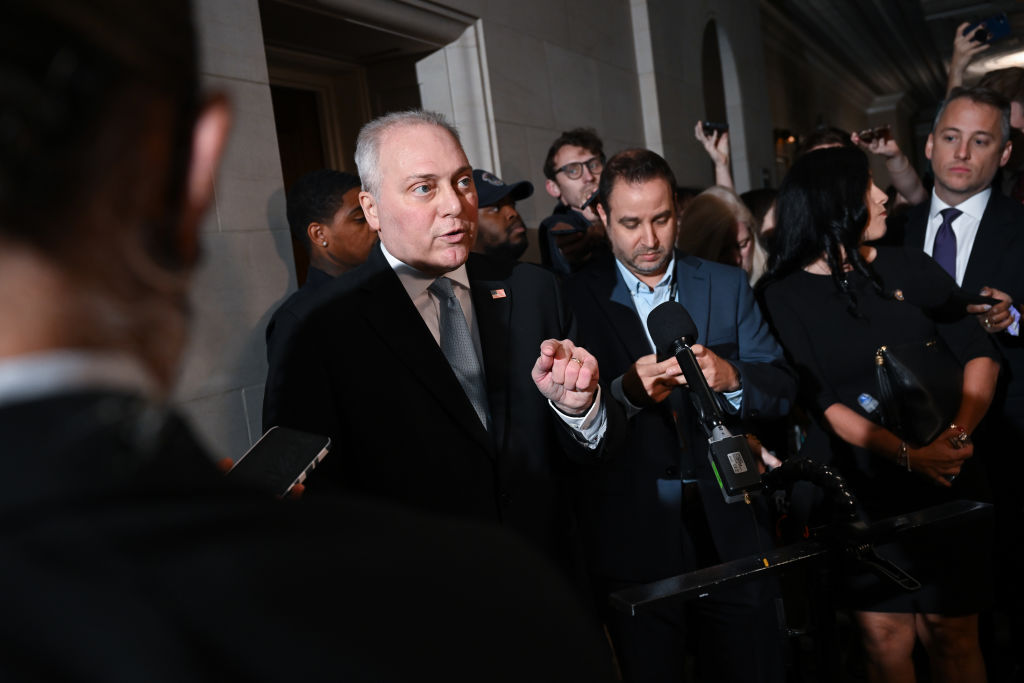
(457, 347)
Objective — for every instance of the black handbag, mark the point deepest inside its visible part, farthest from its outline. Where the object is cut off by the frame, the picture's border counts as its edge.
(919, 389)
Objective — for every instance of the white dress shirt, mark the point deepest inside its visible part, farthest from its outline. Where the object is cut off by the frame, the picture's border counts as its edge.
(965, 227)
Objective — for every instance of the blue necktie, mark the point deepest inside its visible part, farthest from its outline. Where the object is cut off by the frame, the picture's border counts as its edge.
(944, 248)
(457, 347)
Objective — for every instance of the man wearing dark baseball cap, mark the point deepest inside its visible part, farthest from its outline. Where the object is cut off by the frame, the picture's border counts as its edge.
(501, 232)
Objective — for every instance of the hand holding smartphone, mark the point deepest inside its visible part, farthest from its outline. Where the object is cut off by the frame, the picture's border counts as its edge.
(882, 133)
(280, 459)
(992, 29)
(712, 127)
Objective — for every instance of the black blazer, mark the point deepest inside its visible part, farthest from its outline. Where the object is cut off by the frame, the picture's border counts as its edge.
(364, 369)
(631, 512)
(997, 260)
(124, 556)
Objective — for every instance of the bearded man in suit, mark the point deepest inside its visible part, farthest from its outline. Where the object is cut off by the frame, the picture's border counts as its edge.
(659, 511)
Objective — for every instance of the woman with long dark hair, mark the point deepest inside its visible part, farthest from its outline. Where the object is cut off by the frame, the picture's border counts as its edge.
(834, 300)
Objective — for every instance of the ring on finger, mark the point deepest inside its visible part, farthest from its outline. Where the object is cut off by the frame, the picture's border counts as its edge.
(577, 360)
(988, 323)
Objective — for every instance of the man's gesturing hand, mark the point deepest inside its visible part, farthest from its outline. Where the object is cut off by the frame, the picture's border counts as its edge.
(566, 375)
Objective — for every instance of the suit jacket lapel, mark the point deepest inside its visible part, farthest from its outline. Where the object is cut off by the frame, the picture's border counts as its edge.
(694, 293)
(990, 245)
(917, 225)
(492, 305)
(622, 314)
(389, 310)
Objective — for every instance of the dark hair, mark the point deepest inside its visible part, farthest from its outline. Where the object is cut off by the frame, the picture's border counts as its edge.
(1008, 82)
(578, 137)
(315, 198)
(824, 136)
(979, 95)
(634, 166)
(73, 76)
(759, 201)
(821, 210)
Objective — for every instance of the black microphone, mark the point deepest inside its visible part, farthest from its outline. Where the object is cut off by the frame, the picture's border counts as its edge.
(674, 332)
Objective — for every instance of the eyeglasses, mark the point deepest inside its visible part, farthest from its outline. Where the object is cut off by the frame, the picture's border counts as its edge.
(574, 170)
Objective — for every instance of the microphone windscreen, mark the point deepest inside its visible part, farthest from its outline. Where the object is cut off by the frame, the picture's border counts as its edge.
(667, 323)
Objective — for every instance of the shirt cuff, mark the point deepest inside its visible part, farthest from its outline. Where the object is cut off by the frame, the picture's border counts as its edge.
(589, 428)
(620, 395)
(735, 398)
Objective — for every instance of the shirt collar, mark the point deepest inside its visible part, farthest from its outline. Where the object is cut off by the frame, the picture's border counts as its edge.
(39, 375)
(636, 286)
(973, 206)
(416, 281)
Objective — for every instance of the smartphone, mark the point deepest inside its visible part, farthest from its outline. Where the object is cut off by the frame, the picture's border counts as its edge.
(712, 127)
(280, 459)
(883, 133)
(994, 28)
(978, 299)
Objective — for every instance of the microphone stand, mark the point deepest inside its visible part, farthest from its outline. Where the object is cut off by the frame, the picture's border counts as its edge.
(848, 543)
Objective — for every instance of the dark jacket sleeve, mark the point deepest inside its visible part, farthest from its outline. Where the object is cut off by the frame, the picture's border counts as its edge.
(815, 393)
(769, 384)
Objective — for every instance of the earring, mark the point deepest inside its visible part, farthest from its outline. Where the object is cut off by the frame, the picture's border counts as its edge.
(324, 243)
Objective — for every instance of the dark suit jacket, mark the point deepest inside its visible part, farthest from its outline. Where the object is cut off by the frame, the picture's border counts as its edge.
(287, 316)
(364, 369)
(125, 556)
(997, 260)
(632, 512)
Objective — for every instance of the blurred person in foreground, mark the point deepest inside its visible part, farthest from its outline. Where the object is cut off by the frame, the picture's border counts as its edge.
(833, 301)
(125, 554)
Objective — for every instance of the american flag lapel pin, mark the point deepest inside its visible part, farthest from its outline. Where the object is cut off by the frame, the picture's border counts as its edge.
(497, 293)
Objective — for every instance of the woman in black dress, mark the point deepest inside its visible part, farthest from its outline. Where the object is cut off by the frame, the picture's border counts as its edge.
(833, 300)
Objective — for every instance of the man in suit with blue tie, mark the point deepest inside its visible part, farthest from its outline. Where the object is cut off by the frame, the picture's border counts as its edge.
(658, 511)
(977, 235)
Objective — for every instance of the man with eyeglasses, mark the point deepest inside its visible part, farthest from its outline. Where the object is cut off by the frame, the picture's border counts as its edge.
(573, 233)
